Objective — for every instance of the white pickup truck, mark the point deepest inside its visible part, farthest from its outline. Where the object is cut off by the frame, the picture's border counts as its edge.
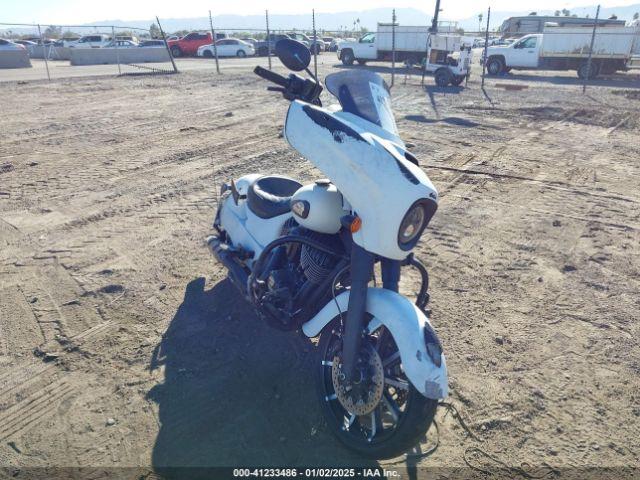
(567, 48)
(447, 55)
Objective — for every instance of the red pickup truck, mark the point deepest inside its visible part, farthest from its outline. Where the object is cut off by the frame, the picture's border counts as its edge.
(188, 45)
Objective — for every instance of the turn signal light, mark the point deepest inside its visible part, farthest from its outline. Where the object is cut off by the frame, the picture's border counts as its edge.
(356, 224)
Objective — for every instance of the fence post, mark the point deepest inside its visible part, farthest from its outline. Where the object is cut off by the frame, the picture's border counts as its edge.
(164, 37)
(266, 14)
(115, 42)
(593, 37)
(215, 47)
(486, 45)
(393, 47)
(315, 43)
(44, 53)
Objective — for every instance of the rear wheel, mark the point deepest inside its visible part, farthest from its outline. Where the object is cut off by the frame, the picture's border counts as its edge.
(457, 80)
(588, 71)
(381, 415)
(347, 57)
(443, 77)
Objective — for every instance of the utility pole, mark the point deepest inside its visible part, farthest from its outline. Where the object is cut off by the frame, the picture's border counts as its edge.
(434, 22)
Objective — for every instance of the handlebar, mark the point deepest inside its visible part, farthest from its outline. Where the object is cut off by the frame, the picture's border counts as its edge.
(271, 76)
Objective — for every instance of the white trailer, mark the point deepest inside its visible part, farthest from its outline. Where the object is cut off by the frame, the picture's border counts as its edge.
(567, 48)
(447, 55)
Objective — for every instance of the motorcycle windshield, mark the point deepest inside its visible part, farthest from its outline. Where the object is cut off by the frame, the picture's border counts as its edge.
(365, 94)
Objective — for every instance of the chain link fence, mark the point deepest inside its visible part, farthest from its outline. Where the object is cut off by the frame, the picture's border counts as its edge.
(592, 55)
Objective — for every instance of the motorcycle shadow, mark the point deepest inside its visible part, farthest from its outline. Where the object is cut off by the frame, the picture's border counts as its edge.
(236, 392)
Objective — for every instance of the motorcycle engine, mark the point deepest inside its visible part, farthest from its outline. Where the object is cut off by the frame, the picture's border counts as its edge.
(294, 274)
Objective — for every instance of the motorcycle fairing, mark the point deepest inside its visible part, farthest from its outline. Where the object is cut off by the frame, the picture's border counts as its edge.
(369, 169)
(407, 323)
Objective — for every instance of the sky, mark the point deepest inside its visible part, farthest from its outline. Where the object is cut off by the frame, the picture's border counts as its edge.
(84, 11)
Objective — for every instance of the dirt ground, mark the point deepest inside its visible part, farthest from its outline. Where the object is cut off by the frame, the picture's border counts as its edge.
(121, 344)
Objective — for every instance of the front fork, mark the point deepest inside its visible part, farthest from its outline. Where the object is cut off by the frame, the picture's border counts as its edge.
(362, 263)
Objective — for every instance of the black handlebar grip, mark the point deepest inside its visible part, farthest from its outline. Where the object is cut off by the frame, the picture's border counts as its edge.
(271, 76)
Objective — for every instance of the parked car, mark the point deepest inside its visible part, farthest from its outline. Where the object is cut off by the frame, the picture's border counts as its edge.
(9, 45)
(151, 43)
(131, 38)
(121, 44)
(66, 42)
(315, 47)
(264, 47)
(228, 47)
(91, 41)
(25, 43)
(327, 42)
(189, 44)
(333, 46)
(250, 40)
(173, 37)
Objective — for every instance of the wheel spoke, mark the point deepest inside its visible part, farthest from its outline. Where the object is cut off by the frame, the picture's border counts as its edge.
(392, 406)
(374, 425)
(394, 382)
(349, 422)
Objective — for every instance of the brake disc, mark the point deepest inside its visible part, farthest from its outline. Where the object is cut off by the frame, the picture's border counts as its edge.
(362, 396)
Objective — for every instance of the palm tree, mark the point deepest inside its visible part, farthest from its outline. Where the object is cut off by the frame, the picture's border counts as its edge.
(479, 22)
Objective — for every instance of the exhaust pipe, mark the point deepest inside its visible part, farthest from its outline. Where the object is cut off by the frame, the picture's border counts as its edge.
(237, 273)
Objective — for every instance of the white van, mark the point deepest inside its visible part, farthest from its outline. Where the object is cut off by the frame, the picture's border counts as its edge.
(91, 41)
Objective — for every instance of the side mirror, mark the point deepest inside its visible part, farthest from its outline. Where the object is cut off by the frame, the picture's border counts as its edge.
(293, 54)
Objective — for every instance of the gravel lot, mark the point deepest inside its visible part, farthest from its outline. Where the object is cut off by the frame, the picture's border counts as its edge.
(121, 344)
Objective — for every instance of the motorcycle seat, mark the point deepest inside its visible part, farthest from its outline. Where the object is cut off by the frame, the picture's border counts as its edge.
(269, 196)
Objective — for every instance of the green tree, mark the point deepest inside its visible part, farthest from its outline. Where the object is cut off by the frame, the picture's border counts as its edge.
(566, 12)
(154, 31)
(70, 34)
(636, 15)
(556, 13)
(52, 32)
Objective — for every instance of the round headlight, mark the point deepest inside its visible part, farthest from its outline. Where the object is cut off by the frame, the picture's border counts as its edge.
(411, 225)
(415, 221)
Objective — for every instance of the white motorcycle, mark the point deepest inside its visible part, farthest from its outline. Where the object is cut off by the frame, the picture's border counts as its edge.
(304, 256)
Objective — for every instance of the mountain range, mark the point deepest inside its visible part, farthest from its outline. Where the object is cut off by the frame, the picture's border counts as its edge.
(345, 20)
(367, 18)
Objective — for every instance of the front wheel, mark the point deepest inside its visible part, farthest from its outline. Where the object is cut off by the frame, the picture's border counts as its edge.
(176, 52)
(381, 415)
(347, 57)
(241, 54)
(207, 54)
(495, 66)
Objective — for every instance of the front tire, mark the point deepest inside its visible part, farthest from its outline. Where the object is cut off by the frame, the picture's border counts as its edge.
(241, 54)
(401, 416)
(495, 66)
(176, 52)
(347, 57)
(207, 54)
